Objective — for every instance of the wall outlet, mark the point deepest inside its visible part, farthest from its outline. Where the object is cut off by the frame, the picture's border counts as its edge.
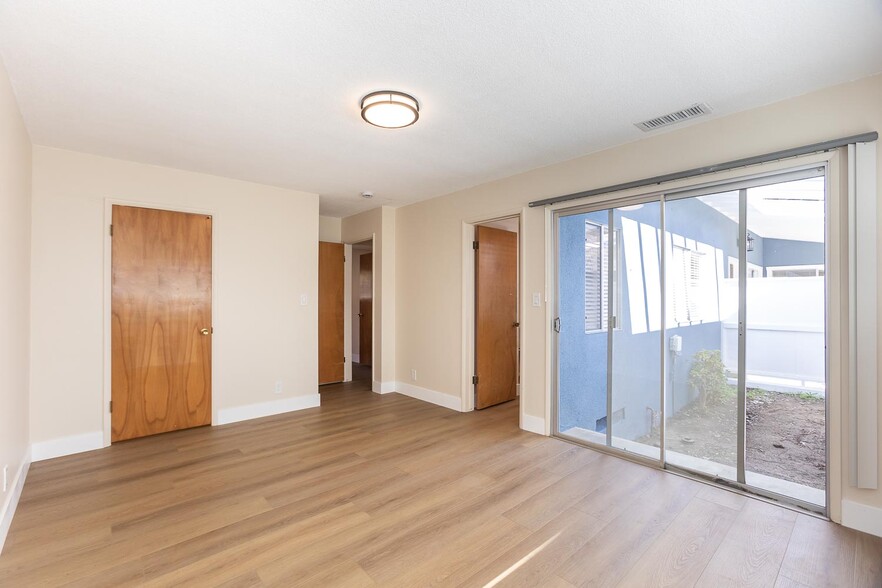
(537, 298)
(413, 375)
(5, 477)
(278, 388)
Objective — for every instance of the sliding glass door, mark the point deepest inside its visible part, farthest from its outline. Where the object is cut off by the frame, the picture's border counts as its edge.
(785, 375)
(702, 281)
(609, 263)
(691, 332)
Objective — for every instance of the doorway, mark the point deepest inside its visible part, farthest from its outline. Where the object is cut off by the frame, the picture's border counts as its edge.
(161, 288)
(691, 332)
(496, 377)
(362, 309)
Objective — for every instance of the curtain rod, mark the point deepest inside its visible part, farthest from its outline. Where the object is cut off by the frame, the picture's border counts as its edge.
(700, 171)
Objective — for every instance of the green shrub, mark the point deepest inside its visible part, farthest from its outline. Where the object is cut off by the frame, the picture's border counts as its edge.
(708, 376)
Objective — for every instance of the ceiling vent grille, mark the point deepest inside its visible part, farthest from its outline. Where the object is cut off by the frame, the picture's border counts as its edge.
(673, 118)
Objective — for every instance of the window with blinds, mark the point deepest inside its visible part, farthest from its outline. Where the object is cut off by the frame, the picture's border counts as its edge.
(687, 274)
(596, 277)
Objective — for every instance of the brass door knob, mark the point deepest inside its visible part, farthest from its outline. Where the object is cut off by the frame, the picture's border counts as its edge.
(205, 331)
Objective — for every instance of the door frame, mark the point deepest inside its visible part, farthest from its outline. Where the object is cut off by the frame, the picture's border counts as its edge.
(836, 324)
(467, 392)
(350, 311)
(216, 342)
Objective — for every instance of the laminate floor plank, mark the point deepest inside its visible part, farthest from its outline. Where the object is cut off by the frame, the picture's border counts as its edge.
(611, 554)
(681, 553)
(385, 490)
(752, 551)
(868, 561)
(533, 560)
(820, 554)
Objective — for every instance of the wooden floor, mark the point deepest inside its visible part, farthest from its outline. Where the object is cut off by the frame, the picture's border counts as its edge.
(389, 491)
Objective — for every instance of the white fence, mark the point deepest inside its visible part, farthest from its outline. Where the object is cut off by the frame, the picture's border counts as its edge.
(785, 333)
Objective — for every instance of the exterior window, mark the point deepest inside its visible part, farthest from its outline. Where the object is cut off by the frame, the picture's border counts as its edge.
(796, 271)
(597, 291)
(688, 279)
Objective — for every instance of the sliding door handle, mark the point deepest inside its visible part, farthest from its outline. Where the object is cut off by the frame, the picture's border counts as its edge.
(557, 325)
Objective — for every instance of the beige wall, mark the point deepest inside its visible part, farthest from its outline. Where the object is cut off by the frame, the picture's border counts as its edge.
(329, 229)
(265, 250)
(15, 234)
(430, 242)
(380, 225)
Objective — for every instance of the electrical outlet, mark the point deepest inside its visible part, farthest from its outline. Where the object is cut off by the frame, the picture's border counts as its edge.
(278, 389)
(413, 375)
(537, 298)
(5, 477)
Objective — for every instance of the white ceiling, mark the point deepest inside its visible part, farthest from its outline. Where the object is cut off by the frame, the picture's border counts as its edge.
(268, 91)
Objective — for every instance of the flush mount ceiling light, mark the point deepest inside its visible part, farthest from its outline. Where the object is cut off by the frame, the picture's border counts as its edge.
(389, 109)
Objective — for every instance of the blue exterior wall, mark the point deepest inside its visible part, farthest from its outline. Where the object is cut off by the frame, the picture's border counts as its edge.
(778, 252)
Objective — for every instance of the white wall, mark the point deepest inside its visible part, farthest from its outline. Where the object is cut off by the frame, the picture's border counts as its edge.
(430, 233)
(15, 266)
(265, 249)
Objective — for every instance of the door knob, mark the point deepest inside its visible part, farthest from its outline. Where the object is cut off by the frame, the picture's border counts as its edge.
(516, 324)
(205, 331)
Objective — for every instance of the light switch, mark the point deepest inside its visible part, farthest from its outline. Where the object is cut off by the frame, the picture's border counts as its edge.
(537, 299)
(304, 300)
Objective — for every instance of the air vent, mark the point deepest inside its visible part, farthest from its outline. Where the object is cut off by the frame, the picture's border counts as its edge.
(673, 118)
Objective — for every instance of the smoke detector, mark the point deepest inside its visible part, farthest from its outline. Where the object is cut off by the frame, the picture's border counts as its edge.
(367, 194)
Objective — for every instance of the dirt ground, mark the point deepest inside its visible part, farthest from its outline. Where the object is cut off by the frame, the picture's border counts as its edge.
(785, 435)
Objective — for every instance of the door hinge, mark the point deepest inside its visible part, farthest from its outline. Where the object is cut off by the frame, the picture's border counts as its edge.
(110, 406)
(474, 244)
(111, 230)
(475, 380)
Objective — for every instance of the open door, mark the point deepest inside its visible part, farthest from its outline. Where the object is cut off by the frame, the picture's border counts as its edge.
(366, 308)
(496, 316)
(161, 322)
(331, 353)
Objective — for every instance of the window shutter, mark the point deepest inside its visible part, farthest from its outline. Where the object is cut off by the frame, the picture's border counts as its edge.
(593, 280)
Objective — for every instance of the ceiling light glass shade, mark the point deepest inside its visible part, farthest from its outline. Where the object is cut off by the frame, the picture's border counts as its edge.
(390, 110)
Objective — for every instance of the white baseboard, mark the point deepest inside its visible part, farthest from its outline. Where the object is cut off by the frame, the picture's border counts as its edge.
(263, 409)
(862, 517)
(11, 502)
(533, 424)
(433, 396)
(383, 387)
(356, 358)
(67, 445)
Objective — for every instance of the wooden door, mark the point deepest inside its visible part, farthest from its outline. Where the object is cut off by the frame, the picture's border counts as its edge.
(330, 305)
(496, 315)
(161, 321)
(366, 309)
